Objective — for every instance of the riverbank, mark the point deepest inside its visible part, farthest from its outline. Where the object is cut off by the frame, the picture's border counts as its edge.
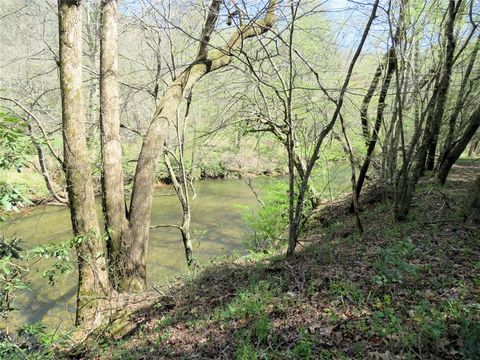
(403, 290)
(220, 162)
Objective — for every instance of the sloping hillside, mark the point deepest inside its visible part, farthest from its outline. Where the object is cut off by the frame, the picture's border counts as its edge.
(402, 291)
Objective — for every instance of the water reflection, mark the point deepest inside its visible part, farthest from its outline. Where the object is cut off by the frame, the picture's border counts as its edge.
(217, 228)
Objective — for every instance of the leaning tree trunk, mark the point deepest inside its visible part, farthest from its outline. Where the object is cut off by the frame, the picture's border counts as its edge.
(391, 64)
(432, 133)
(112, 173)
(459, 148)
(462, 96)
(366, 102)
(93, 282)
(181, 188)
(304, 185)
(137, 236)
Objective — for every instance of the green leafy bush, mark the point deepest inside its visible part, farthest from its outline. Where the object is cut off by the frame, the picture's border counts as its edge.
(12, 274)
(267, 223)
(14, 143)
(14, 146)
(11, 198)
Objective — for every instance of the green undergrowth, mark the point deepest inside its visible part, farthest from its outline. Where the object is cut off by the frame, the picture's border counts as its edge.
(403, 290)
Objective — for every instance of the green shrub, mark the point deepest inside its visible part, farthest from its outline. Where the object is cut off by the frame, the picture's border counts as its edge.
(12, 198)
(267, 223)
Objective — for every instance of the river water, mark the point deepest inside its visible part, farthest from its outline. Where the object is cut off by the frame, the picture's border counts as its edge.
(217, 229)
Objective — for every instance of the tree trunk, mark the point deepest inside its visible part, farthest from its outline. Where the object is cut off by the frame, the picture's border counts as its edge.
(459, 105)
(304, 185)
(407, 182)
(473, 149)
(182, 193)
(457, 150)
(113, 197)
(92, 270)
(432, 133)
(391, 64)
(366, 102)
(44, 169)
(137, 237)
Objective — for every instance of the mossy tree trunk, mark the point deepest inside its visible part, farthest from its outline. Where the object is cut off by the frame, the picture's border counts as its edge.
(113, 196)
(93, 281)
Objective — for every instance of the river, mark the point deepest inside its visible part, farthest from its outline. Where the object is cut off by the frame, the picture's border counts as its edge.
(217, 229)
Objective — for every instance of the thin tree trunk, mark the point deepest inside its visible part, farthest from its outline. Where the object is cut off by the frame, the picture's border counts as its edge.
(366, 102)
(432, 133)
(348, 149)
(113, 196)
(473, 149)
(44, 169)
(461, 99)
(293, 237)
(183, 196)
(436, 108)
(391, 64)
(93, 283)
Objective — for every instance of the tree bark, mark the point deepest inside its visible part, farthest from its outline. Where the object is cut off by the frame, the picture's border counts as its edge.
(113, 197)
(140, 206)
(366, 102)
(436, 108)
(459, 148)
(391, 64)
(461, 99)
(432, 132)
(93, 283)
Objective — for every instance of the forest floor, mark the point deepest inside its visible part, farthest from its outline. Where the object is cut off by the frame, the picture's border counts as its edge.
(407, 290)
